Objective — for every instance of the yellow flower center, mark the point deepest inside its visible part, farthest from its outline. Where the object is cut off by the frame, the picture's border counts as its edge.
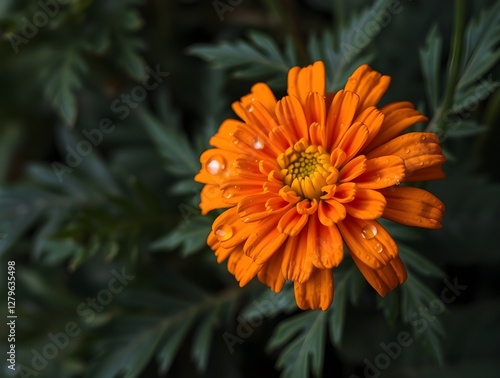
(306, 169)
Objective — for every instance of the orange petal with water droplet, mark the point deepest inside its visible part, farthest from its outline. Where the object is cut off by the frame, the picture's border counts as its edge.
(375, 251)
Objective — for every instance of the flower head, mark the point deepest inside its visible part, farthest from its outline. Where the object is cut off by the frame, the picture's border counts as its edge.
(301, 176)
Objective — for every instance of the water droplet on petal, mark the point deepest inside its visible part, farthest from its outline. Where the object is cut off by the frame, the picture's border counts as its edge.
(407, 151)
(216, 165)
(250, 109)
(224, 232)
(421, 163)
(376, 177)
(369, 231)
(379, 248)
(229, 192)
(257, 143)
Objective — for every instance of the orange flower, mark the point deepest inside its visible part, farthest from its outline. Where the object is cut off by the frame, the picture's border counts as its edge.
(302, 176)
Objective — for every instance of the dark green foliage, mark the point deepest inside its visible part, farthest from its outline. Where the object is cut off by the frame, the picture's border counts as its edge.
(98, 156)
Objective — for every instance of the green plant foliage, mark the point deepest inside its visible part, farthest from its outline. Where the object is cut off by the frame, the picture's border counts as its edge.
(260, 58)
(100, 212)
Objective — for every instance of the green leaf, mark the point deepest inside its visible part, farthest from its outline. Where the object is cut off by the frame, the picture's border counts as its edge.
(417, 299)
(303, 338)
(467, 100)
(203, 338)
(419, 263)
(481, 52)
(191, 236)
(430, 62)
(63, 78)
(462, 129)
(338, 309)
(260, 58)
(173, 339)
(172, 145)
(350, 46)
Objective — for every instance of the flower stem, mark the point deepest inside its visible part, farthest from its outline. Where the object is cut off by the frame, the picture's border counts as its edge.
(454, 62)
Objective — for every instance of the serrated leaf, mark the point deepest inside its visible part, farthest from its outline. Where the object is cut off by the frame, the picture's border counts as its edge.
(190, 235)
(416, 261)
(260, 58)
(481, 53)
(350, 49)
(63, 78)
(181, 159)
(305, 351)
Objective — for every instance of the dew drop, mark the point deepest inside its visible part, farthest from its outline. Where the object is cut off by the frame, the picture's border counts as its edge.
(224, 232)
(229, 192)
(257, 143)
(379, 248)
(216, 165)
(421, 163)
(376, 177)
(407, 151)
(369, 231)
(250, 109)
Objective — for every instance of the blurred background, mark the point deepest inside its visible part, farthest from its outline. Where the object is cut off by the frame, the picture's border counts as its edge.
(105, 107)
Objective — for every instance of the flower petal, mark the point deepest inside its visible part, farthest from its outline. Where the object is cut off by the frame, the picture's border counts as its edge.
(353, 169)
(372, 118)
(253, 208)
(340, 116)
(381, 172)
(317, 292)
(398, 117)
(301, 81)
(242, 267)
(315, 109)
(418, 150)
(413, 207)
(291, 223)
(367, 204)
(425, 174)
(368, 241)
(330, 212)
(270, 274)
(296, 265)
(291, 115)
(368, 84)
(385, 279)
(354, 138)
(211, 199)
(265, 240)
(325, 247)
(260, 92)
